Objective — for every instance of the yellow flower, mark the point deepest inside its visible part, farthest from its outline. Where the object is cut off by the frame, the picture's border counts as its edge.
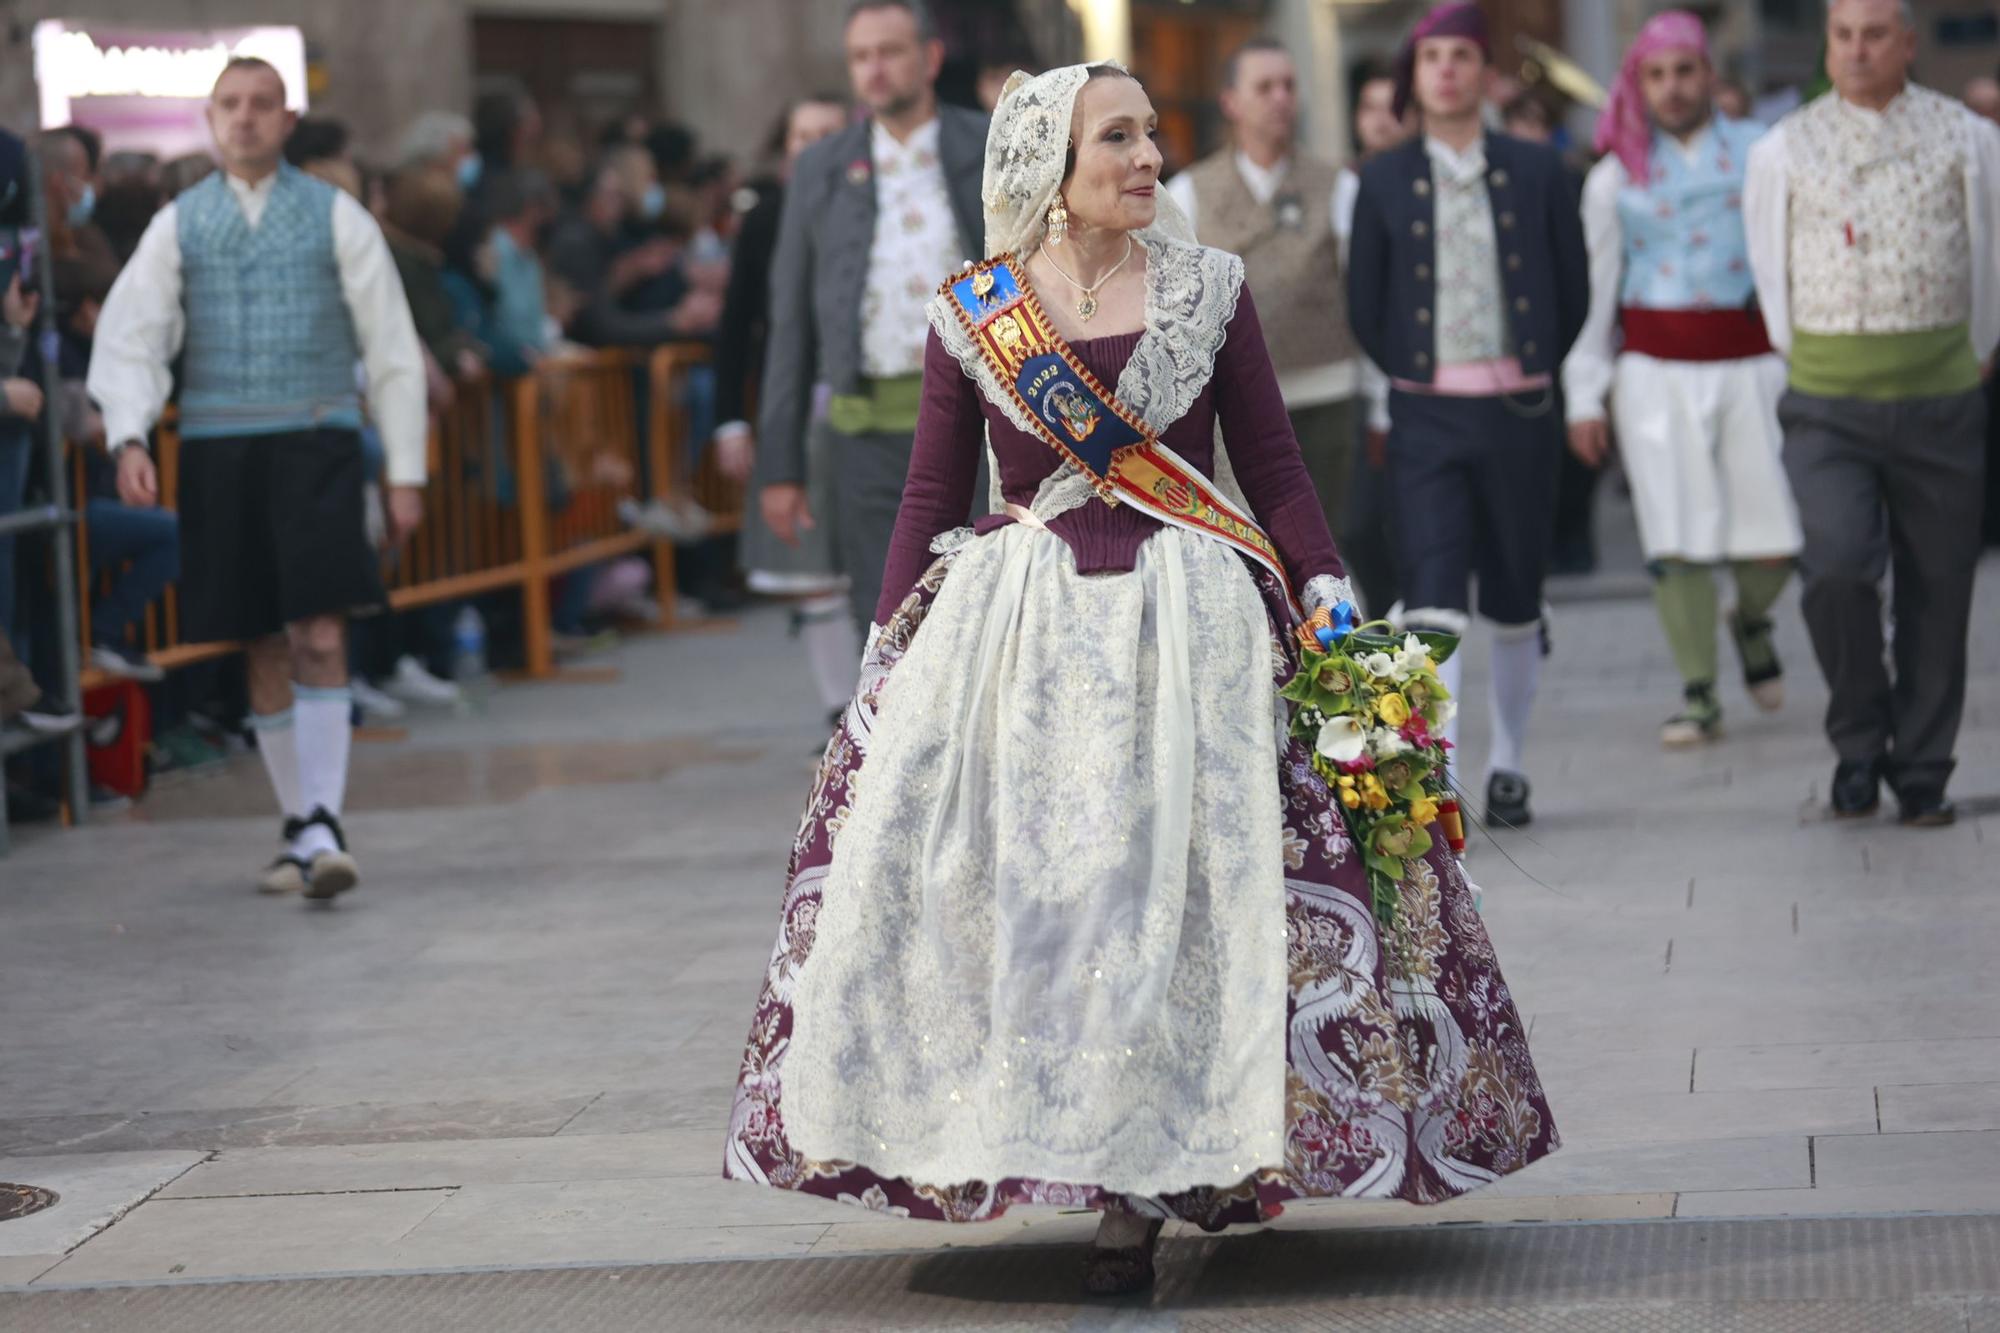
(1350, 798)
(1393, 709)
(1374, 793)
(1423, 811)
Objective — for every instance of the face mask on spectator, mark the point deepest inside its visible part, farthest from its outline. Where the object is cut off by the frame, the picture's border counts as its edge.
(469, 167)
(80, 211)
(654, 202)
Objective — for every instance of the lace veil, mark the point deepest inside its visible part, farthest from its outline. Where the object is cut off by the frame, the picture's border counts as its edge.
(1025, 151)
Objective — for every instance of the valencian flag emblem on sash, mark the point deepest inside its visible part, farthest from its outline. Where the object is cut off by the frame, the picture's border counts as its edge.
(1081, 419)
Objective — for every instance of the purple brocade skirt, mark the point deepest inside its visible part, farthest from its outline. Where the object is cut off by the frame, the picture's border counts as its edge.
(1407, 1067)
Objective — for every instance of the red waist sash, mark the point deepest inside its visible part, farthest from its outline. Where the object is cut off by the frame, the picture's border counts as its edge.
(1695, 335)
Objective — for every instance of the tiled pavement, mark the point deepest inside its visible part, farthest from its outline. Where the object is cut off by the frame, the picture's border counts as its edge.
(514, 1045)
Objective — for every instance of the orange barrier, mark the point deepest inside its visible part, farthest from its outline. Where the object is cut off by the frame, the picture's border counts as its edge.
(525, 479)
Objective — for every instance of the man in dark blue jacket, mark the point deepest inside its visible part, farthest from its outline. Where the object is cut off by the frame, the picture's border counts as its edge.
(1467, 284)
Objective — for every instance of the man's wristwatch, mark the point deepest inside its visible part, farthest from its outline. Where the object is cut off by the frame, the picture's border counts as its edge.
(123, 445)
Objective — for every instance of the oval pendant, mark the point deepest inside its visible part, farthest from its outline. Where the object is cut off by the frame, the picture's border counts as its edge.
(1086, 308)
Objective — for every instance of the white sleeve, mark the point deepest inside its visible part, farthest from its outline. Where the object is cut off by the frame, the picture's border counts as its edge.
(1375, 389)
(1766, 203)
(1181, 189)
(1346, 189)
(1587, 371)
(139, 335)
(390, 352)
(1982, 190)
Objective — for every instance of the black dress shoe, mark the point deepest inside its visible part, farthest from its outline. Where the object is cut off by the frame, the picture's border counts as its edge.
(1923, 807)
(1857, 788)
(1507, 800)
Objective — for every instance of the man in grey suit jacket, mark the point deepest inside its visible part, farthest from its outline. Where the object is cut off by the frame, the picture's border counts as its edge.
(874, 218)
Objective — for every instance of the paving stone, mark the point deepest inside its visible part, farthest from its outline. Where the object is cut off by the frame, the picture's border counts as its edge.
(317, 1233)
(1848, 1161)
(1618, 1115)
(266, 1126)
(562, 1207)
(1940, 1106)
(440, 1165)
(17, 1269)
(1852, 1064)
(94, 1189)
(1927, 1195)
(1639, 1168)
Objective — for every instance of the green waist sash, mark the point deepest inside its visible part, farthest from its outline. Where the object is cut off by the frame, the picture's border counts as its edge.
(1885, 367)
(888, 405)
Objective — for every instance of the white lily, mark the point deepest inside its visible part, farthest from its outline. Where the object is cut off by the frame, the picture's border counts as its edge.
(1412, 657)
(1386, 744)
(1342, 740)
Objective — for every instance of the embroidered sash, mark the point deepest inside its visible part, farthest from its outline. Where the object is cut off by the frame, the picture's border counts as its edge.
(1121, 457)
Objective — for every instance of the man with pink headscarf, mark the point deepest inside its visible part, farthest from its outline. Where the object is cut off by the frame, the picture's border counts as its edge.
(1694, 390)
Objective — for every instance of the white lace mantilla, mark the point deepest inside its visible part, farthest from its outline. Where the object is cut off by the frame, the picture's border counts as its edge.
(1052, 942)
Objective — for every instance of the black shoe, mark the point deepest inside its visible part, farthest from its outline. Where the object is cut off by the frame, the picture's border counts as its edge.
(1857, 788)
(1763, 673)
(1924, 807)
(1507, 800)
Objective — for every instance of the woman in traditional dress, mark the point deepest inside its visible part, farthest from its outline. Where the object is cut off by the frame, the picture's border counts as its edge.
(1070, 919)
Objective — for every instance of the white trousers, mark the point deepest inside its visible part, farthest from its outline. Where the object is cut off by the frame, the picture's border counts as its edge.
(1701, 445)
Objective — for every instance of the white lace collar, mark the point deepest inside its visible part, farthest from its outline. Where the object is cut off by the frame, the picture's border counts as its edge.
(1191, 295)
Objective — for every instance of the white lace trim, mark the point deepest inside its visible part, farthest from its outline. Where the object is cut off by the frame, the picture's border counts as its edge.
(1191, 295)
(1328, 591)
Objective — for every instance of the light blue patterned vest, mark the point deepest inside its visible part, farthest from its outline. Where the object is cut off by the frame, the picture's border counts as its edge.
(270, 346)
(1684, 242)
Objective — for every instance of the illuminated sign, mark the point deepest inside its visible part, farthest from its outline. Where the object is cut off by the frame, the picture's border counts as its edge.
(73, 63)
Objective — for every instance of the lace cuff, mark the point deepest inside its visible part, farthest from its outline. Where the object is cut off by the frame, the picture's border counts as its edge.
(1327, 591)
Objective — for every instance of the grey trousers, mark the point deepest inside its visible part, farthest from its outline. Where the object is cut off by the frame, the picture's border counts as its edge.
(868, 474)
(1326, 442)
(1880, 487)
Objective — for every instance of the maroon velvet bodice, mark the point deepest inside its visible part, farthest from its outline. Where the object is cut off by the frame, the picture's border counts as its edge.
(1242, 394)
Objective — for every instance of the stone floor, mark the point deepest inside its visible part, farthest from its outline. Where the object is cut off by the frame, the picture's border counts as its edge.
(513, 1047)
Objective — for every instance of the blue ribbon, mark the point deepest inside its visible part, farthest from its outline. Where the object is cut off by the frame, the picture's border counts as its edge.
(1345, 620)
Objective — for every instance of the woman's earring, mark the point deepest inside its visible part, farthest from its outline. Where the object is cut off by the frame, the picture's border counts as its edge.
(1058, 221)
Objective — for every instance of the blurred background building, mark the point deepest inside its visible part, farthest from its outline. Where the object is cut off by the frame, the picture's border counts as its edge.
(722, 67)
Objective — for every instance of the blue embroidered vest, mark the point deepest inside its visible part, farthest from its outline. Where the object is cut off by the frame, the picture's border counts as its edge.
(270, 346)
(1684, 242)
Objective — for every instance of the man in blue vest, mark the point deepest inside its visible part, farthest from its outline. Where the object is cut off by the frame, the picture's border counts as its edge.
(273, 285)
(1694, 386)
(1467, 282)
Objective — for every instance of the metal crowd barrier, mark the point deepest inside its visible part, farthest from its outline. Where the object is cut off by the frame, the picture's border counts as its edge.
(525, 479)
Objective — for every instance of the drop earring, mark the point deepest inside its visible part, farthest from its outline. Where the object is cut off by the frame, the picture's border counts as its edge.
(1058, 221)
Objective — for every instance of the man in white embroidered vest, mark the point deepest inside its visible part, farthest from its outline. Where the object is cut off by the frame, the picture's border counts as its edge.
(1695, 388)
(872, 215)
(1264, 199)
(273, 284)
(1467, 284)
(1871, 218)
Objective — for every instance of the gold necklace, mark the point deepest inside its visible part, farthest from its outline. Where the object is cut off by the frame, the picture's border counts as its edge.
(1086, 305)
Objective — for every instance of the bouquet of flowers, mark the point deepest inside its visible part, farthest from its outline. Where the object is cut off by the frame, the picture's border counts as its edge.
(1372, 709)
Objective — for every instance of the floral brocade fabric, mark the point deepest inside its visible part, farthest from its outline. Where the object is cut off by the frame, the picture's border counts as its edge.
(1407, 1072)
